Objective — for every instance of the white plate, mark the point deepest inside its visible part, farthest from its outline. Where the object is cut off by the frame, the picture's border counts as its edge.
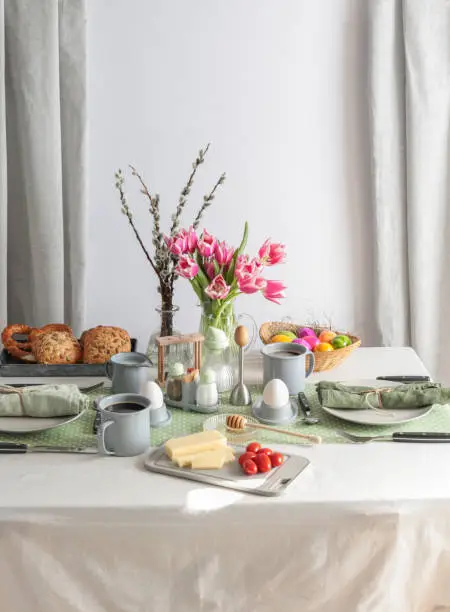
(391, 416)
(24, 425)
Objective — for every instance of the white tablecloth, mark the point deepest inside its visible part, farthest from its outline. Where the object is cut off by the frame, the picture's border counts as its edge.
(365, 528)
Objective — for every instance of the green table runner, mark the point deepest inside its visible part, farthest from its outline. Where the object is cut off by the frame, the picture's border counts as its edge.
(79, 433)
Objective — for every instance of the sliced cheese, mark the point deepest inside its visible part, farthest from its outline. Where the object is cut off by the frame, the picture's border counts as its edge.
(212, 460)
(188, 460)
(195, 443)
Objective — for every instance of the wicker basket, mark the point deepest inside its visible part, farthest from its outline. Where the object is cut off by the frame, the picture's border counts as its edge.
(323, 361)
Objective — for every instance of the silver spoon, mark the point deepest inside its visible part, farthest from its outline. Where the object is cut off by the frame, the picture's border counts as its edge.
(305, 408)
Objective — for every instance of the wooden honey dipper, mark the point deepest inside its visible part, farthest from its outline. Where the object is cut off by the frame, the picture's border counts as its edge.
(237, 421)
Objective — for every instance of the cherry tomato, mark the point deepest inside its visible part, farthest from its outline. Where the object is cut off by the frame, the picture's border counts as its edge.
(249, 467)
(245, 456)
(262, 462)
(276, 459)
(253, 447)
(265, 451)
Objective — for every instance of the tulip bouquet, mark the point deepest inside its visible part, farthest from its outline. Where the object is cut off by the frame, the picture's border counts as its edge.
(220, 273)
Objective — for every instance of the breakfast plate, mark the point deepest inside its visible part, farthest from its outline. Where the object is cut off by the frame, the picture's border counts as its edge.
(25, 425)
(391, 416)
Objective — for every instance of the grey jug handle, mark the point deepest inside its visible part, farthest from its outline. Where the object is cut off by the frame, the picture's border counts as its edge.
(312, 361)
(108, 368)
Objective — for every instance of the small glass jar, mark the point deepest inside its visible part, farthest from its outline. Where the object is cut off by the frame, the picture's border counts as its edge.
(207, 394)
(174, 388)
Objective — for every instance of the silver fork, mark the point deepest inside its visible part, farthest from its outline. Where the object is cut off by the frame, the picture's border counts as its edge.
(398, 436)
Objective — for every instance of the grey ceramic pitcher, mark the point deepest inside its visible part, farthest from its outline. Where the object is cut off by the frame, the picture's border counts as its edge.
(128, 372)
(287, 361)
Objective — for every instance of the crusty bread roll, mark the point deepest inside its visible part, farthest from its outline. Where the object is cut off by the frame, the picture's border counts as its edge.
(102, 342)
(56, 347)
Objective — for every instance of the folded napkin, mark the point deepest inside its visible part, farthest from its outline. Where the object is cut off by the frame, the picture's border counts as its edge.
(411, 395)
(41, 401)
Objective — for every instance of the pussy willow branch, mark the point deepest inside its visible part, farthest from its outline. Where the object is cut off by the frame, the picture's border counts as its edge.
(153, 208)
(187, 190)
(207, 200)
(127, 212)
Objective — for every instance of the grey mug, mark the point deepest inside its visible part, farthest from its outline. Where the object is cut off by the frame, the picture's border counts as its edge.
(124, 428)
(128, 372)
(287, 361)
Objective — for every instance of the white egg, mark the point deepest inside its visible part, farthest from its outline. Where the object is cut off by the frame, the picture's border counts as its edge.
(276, 393)
(153, 391)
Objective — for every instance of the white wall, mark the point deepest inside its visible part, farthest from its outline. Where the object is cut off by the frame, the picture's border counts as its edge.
(279, 90)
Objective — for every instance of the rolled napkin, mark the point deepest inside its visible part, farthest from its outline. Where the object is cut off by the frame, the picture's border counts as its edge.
(411, 395)
(41, 401)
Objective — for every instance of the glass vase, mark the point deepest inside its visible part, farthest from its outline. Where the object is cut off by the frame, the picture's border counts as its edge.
(225, 319)
(174, 353)
(223, 359)
(221, 318)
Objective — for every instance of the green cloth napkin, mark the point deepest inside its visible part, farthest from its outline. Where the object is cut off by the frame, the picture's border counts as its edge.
(41, 401)
(411, 395)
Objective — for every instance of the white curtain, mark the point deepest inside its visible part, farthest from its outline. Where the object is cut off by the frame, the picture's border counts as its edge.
(410, 116)
(42, 161)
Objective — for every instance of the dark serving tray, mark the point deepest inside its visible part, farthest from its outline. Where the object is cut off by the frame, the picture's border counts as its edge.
(10, 366)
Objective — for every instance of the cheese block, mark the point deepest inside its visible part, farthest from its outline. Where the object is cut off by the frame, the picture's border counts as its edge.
(190, 460)
(195, 443)
(212, 460)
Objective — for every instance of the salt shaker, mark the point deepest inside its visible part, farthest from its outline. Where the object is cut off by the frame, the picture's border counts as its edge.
(207, 394)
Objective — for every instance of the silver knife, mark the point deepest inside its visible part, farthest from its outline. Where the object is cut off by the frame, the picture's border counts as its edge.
(398, 436)
(15, 448)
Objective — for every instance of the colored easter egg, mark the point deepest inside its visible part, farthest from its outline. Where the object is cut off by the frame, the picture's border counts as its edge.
(323, 347)
(280, 338)
(306, 331)
(289, 334)
(340, 341)
(311, 341)
(302, 342)
(327, 335)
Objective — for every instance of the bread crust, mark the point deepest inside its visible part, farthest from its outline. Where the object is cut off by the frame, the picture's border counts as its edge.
(56, 347)
(102, 342)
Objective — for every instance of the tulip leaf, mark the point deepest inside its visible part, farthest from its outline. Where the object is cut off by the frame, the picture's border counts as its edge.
(197, 288)
(230, 274)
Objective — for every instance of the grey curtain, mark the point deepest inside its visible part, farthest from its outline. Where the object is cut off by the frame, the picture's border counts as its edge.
(409, 97)
(42, 161)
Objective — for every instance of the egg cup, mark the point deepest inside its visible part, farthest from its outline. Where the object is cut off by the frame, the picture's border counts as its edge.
(275, 416)
(160, 417)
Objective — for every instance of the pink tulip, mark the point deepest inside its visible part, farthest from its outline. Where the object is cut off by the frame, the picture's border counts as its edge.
(187, 267)
(246, 267)
(192, 239)
(207, 244)
(272, 253)
(218, 289)
(274, 291)
(224, 253)
(178, 244)
(210, 270)
(251, 284)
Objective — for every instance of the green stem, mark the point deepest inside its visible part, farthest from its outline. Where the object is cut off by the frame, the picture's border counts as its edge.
(230, 298)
